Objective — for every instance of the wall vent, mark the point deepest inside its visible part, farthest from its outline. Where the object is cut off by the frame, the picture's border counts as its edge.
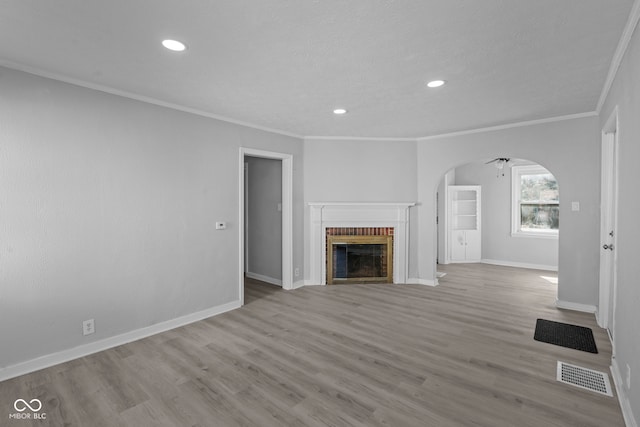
(587, 379)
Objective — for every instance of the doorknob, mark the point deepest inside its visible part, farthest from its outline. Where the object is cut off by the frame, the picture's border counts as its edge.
(610, 247)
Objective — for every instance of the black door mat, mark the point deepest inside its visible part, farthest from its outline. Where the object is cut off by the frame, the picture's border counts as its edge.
(565, 335)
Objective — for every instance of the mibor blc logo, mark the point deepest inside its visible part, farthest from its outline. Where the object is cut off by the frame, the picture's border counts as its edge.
(27, 410)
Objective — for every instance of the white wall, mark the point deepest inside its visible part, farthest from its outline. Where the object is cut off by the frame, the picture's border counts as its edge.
(108, 210)
(498, 245)
(359, 171)
(348, 170)
(625, 94)
(568, 148)
(264, 219)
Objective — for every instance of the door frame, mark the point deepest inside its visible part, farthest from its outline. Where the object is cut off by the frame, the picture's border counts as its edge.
(442, 225)
(287, 215)
(608, 221)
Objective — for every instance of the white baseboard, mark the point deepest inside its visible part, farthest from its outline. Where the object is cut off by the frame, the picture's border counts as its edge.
(107, 343)
(425, 282)
(466, 261)
(263, 278)
(520, 265)
(625, 405)
(576, 306)
(299, 284)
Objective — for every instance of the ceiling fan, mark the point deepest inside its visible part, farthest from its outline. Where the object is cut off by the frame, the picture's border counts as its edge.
(499, 163)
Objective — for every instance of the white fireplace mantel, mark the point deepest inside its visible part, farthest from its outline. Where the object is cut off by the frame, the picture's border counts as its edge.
(356, 214)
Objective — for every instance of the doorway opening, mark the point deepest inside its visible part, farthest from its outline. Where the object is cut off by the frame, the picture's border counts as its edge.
(263, 220)
(498, 211)
(255, 198)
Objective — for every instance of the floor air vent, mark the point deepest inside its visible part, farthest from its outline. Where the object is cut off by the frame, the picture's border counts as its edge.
(587, 379)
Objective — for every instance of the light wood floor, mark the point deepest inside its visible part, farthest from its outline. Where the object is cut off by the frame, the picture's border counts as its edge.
(460, 354)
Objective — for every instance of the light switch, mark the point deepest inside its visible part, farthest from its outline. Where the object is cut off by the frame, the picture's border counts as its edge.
(221, 225)
(575, 206)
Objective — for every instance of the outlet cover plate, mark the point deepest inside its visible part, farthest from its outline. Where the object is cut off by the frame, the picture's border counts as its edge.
(88, 327)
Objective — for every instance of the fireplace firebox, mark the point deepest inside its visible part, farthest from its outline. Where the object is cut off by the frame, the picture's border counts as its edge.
(359, 259)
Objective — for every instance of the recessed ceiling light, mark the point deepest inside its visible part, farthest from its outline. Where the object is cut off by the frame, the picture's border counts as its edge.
(174, 45)
(435, 83)
(339, 111)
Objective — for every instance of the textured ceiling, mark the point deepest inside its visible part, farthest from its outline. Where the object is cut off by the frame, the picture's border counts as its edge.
(286, 64)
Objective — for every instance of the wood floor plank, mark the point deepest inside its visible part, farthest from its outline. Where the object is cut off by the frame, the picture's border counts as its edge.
(460, 354)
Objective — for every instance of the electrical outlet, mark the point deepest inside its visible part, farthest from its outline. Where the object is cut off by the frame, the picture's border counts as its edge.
(628, 377)
(88, 327)
(296, 272)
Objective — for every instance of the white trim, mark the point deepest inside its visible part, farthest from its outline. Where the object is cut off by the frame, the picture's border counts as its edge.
(310, 283)
(623, 399)
(372, 204)
(612, 123)
(520, 265)
(287, 215)
(287, 222)
(154, 101)
(608, 221)
(358, 214)
(618, 56)
(263, 278)
(446, 238)
(299, 284)
(566, 305)
(425, 282)
(107, 343)
(536, 235)
(360, 138)
(142, 98)
(510, 125)
(246, 219)
(516, 172)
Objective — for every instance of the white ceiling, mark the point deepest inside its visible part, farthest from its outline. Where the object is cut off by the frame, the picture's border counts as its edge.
(286, 64)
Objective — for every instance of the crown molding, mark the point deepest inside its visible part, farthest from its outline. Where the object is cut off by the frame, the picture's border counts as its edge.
(359, 138)
(130, 95)
(623, 44)
(149, 100)
(511, 125)
(459, 133)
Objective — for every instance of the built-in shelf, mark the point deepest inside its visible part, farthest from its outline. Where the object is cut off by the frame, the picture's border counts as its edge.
(464, 223)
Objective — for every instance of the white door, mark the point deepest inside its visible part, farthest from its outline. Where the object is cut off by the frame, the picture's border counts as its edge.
(458, 245)
(473, 245)
(608, 205)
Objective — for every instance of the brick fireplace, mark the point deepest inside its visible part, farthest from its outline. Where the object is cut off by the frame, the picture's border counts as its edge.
(374, 237)
(359, 255)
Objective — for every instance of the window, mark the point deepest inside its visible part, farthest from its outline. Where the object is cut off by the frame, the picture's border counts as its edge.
(534, 201)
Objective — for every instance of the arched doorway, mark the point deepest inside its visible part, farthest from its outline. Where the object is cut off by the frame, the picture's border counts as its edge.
(518, 215)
